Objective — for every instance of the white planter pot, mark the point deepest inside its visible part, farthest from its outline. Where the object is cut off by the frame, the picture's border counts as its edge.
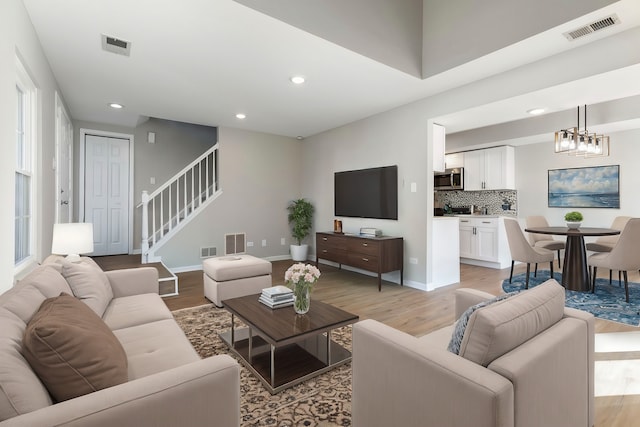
(573, 225)
(299, 253)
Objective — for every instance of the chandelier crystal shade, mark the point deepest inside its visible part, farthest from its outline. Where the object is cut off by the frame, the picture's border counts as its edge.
(576, 142)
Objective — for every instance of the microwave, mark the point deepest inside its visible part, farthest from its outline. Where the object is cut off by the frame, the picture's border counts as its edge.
(450, 179)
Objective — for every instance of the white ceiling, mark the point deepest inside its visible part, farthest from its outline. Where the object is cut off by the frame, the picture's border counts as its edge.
(202, 62)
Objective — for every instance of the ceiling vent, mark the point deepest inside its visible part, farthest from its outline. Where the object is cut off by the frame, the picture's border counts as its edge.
(115, 45)
(592, 28)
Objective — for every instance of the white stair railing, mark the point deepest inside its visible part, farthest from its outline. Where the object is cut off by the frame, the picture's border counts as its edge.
(175, 203)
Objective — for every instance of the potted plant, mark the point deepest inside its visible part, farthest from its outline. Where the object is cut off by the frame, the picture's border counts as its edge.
(573, 219)
(300, 216)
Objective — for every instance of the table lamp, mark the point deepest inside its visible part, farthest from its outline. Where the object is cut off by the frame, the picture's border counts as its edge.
(72, 239)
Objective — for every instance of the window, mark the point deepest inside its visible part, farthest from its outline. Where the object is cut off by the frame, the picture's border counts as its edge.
(24, 179)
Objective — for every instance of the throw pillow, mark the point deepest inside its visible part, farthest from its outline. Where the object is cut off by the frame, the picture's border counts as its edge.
(496, 329)
(461, 323)
(89, 283)
(72, 350)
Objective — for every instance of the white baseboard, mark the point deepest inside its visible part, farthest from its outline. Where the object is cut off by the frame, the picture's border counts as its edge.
(185, 269)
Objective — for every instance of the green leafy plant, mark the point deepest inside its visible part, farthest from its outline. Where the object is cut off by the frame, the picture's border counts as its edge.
(573, 217)
(301, 216)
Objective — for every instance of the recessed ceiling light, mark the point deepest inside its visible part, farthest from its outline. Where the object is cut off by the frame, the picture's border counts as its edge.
(116, 105)
(536, 111)
(297, 80)
(299, 138)
(241, 116)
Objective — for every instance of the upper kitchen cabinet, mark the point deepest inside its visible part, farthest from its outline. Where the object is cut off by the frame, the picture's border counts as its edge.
(454, 160)
(438, 148)
(490, 169)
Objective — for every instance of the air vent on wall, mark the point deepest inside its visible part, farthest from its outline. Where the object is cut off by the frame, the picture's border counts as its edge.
(592, 28)
(208, 252)
(115, 45)
(235, 243)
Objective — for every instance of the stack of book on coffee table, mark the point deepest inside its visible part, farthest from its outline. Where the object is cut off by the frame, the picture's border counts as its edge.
(276, 297)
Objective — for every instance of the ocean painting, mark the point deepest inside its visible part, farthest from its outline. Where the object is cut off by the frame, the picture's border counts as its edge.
(590, 187)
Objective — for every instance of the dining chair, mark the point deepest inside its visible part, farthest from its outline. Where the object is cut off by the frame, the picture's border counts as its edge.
(522, 251)
(606, 243)
(624, 256)
(543, 240)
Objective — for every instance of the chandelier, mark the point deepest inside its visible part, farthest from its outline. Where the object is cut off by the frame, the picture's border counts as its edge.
(574, 141)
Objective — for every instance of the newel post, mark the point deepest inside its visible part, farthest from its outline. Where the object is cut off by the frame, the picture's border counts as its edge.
(144, 246)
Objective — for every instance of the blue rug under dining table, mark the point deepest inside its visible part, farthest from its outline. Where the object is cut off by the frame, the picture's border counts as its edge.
(608, 302)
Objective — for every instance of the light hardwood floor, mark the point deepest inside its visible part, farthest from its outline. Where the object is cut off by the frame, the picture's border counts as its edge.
(417, 313)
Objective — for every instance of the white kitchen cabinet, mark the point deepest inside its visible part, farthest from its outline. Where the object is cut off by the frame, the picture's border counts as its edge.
(454, 160)
(489, 169)
(438, 148)
(483, 242)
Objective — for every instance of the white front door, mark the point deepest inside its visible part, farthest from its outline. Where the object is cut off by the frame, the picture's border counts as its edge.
(106, 193)
(64, 162)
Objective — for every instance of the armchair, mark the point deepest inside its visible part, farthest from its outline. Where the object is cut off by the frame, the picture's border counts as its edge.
(525, 361)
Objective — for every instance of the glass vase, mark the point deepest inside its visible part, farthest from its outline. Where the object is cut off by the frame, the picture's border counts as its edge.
(302, 299)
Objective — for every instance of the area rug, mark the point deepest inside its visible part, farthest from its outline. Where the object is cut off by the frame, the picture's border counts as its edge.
(608, 302)
(321, 401)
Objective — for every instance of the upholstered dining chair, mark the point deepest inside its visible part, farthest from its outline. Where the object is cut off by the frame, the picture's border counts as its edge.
(606, 243)
(543, 240)
(624, 256)
(522, 251)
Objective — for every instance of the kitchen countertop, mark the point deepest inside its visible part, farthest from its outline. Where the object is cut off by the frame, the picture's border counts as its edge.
(478, 216)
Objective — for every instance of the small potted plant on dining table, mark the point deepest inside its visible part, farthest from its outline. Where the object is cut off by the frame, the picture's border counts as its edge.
(573, 219)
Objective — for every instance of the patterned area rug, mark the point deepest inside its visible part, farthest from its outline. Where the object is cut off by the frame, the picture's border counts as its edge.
(321, 401)
(608, 302)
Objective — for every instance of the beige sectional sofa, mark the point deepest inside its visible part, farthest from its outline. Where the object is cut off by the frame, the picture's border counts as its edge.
(524, 361)
(167, 385)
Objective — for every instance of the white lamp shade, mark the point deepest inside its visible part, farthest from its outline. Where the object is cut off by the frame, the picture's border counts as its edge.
(72, 238)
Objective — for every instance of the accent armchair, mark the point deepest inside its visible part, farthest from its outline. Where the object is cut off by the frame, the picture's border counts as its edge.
(524, 361)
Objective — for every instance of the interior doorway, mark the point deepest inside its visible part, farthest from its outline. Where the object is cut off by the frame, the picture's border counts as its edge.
(64, 163)
(106, 178)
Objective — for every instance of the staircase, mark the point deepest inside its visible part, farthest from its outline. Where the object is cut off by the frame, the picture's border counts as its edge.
(173, 205)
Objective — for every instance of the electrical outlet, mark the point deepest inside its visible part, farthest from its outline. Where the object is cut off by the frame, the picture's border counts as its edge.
(249, 244)
(283, 241)
(413, 260)
(264, 243)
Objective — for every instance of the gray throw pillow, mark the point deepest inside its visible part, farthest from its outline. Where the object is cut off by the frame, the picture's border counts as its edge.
(88, 283)
(461, 323)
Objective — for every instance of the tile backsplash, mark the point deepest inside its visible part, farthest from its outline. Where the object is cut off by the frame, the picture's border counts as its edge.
(492, 200)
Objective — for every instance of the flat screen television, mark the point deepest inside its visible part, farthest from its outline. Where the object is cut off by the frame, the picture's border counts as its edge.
(367, 193)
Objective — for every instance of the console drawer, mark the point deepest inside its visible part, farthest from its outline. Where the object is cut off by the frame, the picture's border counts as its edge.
(330, 241)
(363, 261)
(338, 255)
(363, 246)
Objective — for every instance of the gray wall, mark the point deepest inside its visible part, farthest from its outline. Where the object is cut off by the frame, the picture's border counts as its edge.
(17, 36)
(177, 144)
(532, 165)
(259, 174)
(458, 31)
(386, 31)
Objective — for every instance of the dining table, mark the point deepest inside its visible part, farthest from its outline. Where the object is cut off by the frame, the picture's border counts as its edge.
(575, 270)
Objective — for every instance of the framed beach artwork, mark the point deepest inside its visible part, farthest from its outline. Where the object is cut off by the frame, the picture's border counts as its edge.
(589, 187)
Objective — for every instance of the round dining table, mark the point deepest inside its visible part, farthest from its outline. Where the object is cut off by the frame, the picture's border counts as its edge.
(575, 271)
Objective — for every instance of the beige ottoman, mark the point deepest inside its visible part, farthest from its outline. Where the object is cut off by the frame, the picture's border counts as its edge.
(234, 276)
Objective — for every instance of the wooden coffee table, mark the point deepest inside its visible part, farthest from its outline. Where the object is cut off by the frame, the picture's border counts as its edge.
(283, 348)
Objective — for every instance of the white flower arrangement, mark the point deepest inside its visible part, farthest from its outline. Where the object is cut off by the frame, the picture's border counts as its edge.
(301, 278)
